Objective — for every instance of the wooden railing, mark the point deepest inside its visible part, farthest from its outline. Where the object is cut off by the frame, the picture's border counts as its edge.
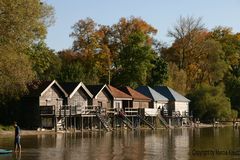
(67, 110)
(131, 111)
(47, 110)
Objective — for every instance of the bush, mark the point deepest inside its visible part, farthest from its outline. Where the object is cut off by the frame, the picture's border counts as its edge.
(208, 102)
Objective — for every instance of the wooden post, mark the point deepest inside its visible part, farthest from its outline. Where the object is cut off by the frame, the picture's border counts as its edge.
(75, 118)
(88, 122)
(132, 118)
(100, 126)
(74, 121)
(65, 120)
(41, 121)
(82, 123)
(70, 117)
(91, 122)
(55, 119)
(169, 121)
(114, 121)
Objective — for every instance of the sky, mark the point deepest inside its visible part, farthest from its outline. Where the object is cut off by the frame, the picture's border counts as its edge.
(161, 14)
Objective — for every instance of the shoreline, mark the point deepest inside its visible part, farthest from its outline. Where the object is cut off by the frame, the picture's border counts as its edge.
(45, 132)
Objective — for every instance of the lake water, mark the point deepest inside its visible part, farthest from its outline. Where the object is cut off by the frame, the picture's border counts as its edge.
(184, 143)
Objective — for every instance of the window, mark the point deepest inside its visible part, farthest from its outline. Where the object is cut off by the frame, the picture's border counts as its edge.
(117, 105)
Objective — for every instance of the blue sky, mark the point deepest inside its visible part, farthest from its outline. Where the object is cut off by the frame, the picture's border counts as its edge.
(162, 14)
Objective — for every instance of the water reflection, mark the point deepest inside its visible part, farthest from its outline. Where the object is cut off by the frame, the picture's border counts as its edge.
(142, 145)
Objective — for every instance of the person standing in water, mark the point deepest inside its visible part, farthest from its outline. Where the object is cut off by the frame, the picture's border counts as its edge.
(17, 145)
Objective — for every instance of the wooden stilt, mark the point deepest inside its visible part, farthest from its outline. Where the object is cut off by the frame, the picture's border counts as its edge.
(75, 123)
(100, 126)
(82, 123)
(55, 123)
(70, 117)
(55, 119)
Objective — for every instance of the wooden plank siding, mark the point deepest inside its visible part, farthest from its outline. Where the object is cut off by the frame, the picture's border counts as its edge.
(52, 97)
(103, 99)
(140, 104)
(78, 99)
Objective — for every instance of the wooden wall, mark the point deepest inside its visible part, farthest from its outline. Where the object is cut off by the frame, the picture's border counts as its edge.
(52, 97)
(80, 98)
(140, 104)
(104, 99)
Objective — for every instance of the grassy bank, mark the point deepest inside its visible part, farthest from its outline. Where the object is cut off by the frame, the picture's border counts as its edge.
(6, 128)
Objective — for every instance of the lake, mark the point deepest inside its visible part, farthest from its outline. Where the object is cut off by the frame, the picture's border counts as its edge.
(182, 143)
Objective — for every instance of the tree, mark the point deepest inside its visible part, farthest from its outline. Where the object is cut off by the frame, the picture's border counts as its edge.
(211, 68)
(188, 49)
(23, 22)
(45, 62)
(135, 59)
(159, 73)
(187, 33)
(73, 68)
(230, 43)
(15, 73)
(120, 33)
(231, 46)
(99, 46)
(72, 72)
(86, 45)
(177, 78)
(194, 51)
(209, 102)
(232, 91)
(85, 37)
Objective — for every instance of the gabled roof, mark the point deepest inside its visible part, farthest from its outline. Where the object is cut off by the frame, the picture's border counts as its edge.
(72, 87)
(96, 89)
(171, 94)
(151, 93)
(134, 94)
(116, 93)
(38, 88)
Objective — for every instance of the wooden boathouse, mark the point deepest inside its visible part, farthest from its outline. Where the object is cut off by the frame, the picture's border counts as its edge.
(64, 106)
(178, 106)
(40, 107)
(78, 100)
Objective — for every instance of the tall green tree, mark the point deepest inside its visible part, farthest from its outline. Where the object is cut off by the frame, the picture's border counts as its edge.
(135, 59)
(159, 73)
(121, 31)
(73, 69)
(230, 43)
(15, 73)
(212, 65)
(45, 63)
(23, 22)
(72, 72)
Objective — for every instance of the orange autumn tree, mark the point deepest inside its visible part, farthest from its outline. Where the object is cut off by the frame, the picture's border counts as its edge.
(99, 46)
(196, 53)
